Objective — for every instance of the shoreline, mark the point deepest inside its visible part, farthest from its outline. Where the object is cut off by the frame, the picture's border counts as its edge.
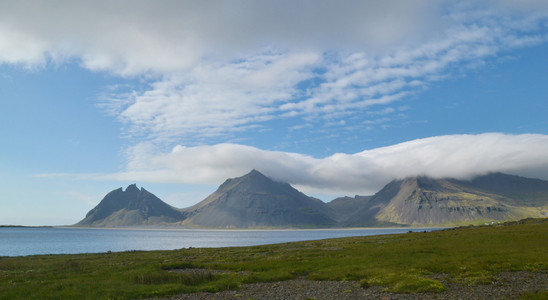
(154, 239)
(487, 262)
(27, 226)
(174, 228)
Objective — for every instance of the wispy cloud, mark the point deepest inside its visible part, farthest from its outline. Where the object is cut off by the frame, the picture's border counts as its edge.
(218, 97)
(210, 69)
(215, 98)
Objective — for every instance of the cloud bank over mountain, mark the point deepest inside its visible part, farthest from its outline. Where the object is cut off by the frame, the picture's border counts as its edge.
(456, 156)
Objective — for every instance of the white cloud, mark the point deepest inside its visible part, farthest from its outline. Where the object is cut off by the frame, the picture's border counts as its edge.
(219, 97)
(457, 156)
(214, 98)
(132, 37)
(213, 68)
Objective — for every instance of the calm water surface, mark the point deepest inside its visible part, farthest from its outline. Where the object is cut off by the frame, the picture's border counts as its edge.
(16, 241)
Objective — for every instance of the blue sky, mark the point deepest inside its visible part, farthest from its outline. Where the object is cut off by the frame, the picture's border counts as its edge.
(334, 98)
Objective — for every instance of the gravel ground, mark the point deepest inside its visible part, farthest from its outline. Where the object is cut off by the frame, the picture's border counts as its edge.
(509, 285)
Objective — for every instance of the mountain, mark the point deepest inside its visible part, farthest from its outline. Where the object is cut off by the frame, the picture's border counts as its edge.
(132, 207)
(520, 191)
(428, 201)
(255, 201)
(346, 206)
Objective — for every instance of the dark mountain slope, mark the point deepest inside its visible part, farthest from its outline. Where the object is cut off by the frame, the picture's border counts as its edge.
(346, 206)
(517, 190)
(254, 201)
(132, 207)
(427, 201)
(366, 215)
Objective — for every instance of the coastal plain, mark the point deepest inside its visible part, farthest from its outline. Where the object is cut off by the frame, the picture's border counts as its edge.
(419, 263)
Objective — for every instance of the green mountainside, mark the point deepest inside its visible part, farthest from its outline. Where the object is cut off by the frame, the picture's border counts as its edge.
(421, 201)
(515, 190)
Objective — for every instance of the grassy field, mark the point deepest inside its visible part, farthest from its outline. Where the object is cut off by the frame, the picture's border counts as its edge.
(401, 263)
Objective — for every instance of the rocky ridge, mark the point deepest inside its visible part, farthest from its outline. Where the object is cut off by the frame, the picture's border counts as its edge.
(132, 207)
(256, 201)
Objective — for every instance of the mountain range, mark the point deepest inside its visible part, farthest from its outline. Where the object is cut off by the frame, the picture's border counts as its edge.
(256, 201)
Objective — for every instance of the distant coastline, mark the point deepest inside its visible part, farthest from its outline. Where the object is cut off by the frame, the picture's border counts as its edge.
(68, 240)
(24, 226)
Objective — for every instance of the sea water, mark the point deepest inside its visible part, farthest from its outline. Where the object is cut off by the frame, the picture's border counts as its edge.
(21, 241)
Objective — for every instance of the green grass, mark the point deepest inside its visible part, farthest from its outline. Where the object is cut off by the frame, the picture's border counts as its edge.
(542, 295)
(401, 263)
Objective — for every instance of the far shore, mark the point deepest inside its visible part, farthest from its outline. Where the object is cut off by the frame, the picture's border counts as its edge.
(253, 229)
(26, 226)
(175, 228)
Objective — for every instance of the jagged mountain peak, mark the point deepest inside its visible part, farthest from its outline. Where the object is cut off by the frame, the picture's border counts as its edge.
(131, 207)
(255, 200)
(132, 188)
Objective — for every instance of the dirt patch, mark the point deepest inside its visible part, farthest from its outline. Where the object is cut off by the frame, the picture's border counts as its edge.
(507, 285)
